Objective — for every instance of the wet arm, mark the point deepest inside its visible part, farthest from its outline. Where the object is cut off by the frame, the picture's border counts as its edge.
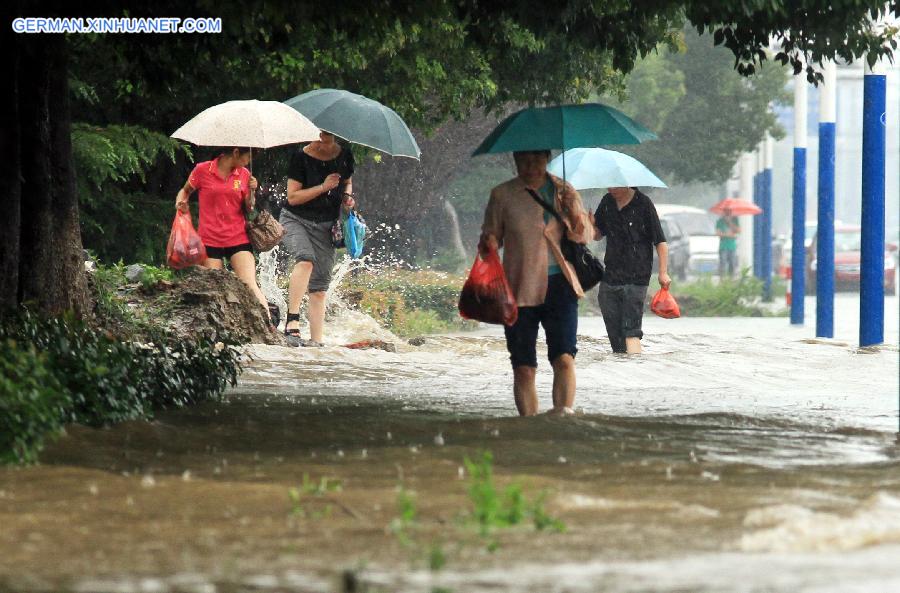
(662, 251)
(491, 229)
(297, 194)
(184, 194)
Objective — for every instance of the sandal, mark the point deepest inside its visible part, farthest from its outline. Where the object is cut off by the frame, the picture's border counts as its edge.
(292, 334)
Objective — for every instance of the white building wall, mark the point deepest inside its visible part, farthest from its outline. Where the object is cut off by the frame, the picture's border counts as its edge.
(848, 152)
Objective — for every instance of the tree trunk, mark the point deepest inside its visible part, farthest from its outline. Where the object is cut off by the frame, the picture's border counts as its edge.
(455, 233)
(409, 193)
(9, 155)
(50, 261)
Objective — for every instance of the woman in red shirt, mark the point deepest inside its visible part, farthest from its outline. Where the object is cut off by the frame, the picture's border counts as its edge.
(225, 186)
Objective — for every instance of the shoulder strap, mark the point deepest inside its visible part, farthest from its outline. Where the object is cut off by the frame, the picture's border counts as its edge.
(544, 204)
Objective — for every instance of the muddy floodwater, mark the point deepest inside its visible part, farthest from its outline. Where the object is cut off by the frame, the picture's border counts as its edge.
(734, 455)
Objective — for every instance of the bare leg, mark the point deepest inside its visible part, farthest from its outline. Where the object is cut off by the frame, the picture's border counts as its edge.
(563, 382)
(213, 264)
(316, 315)
(525, 391)
(244, 265)
(633, 345)
(297, 288)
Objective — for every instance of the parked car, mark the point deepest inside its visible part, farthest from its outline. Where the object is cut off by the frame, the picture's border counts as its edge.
(784, 263)
(679, 249)
(700, 227)
(847, 258)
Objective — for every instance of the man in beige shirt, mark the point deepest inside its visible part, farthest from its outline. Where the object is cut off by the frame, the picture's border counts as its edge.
(544, 284)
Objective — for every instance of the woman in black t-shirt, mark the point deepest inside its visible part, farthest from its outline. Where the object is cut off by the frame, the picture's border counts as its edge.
(320, 181)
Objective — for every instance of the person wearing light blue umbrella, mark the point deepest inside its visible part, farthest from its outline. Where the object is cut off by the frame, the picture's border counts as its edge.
(630, 223)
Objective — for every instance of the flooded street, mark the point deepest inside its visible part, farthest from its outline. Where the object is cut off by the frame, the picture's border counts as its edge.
(736, 454)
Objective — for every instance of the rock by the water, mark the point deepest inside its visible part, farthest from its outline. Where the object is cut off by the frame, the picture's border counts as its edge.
(134, 272)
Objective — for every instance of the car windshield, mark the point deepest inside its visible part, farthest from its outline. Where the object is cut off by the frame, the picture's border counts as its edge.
(847, 241)
(694, 223)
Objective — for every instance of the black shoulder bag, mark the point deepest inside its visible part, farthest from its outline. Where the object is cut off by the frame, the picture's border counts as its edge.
(588, 268)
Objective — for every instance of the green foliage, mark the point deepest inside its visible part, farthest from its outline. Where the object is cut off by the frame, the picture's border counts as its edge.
(152, 275)
(675, 92)
(31, 402)
(98, 379)
(408, 303)
(437, 558)
(728, 297)
(493, 509)
(311, 488)
(406, 519)
(119, 218)
(432, 61)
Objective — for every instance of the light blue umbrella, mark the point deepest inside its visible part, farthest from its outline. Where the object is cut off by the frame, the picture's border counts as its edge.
(597, 168)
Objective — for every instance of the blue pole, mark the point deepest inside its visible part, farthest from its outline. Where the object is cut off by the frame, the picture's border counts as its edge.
(825, 236)
(766, 234)
(871, 288)
(825, 232)
(757, 195)
(798, 238)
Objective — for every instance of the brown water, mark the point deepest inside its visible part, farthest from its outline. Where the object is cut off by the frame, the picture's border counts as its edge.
(735, 455)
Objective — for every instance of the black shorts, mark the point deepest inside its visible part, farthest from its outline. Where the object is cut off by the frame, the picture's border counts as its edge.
(622, 307)
(559, 316)
(223, 252)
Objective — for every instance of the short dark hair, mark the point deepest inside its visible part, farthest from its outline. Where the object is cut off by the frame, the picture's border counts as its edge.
(518, 153)
(230, 149)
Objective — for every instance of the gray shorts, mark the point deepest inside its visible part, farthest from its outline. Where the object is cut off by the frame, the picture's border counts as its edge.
(309, 241)
(622, 307)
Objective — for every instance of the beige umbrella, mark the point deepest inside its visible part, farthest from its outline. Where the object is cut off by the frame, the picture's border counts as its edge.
(255, 124)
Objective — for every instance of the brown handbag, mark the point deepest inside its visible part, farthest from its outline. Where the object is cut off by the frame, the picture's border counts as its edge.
(264, 231)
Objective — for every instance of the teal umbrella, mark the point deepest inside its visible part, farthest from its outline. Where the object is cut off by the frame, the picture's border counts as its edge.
(357, 119)
(563, 127)
(591, 168)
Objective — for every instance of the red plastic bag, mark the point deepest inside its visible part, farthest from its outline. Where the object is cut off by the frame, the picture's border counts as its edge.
(185, 247)
(664, 305)
(486, 295)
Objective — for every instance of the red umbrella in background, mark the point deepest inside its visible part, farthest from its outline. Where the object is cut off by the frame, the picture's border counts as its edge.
(737, 206)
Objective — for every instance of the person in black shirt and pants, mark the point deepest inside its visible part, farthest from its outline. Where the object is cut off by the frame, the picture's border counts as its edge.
(628, 220)
(319, 184)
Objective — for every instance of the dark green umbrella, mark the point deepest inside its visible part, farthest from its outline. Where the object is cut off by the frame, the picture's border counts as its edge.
(563, 127)
(357, 119)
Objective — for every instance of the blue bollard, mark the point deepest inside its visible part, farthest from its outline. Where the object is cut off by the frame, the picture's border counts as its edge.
(765, 233)
(825, 234)
(757, 197)
(798, 238)
(871, 288)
